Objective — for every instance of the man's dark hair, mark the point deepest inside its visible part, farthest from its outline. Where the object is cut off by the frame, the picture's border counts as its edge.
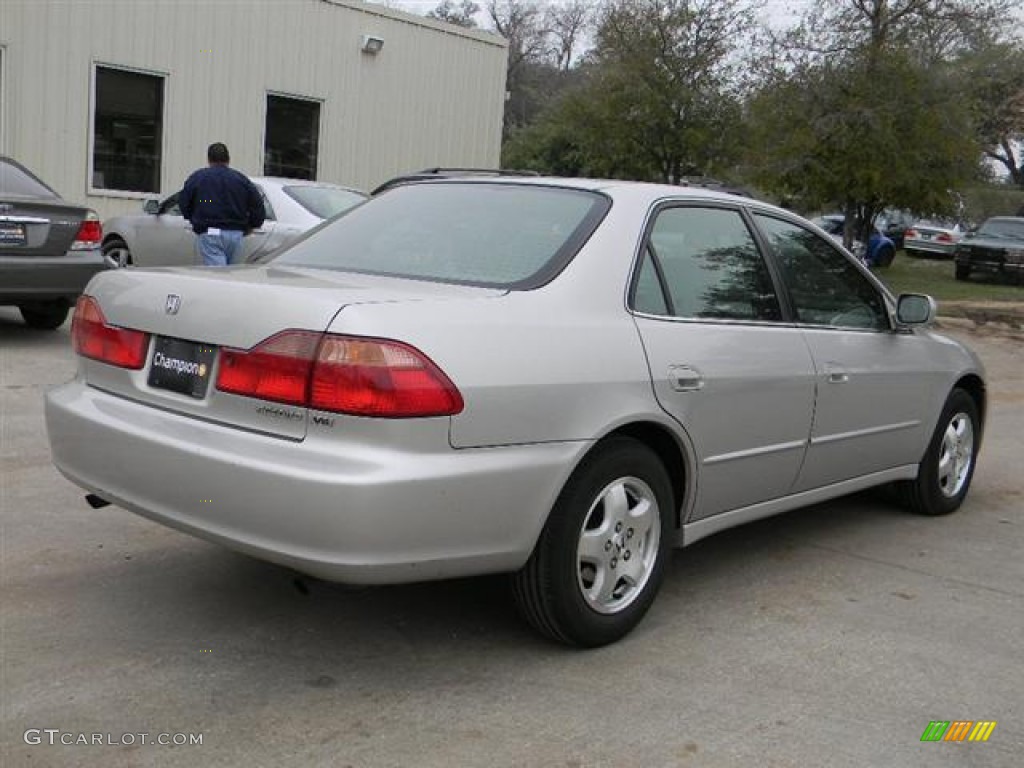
(218, 153)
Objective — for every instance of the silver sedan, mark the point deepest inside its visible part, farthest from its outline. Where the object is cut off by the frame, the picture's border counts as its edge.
(557, 379)
(159, 236)
(933, 238)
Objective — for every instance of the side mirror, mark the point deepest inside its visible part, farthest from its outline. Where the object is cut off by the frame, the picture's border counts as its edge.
(915, 309)
(151, 207)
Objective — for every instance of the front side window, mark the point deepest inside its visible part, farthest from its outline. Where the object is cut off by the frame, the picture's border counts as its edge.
(292, 137)
(709, 268)
(825, 286)
(502, 235)
(127, 130)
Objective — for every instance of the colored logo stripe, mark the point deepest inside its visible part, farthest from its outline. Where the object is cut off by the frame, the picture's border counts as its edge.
(935, 730)
(958, 730)
(982, 730)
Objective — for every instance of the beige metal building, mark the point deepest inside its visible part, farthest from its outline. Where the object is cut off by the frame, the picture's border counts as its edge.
(114, 101)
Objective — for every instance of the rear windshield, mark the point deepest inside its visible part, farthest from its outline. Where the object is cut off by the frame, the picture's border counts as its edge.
(501, 235)
(17, 182)
(324, 202)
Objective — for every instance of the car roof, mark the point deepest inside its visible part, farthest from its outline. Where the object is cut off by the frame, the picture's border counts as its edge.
(282, 181)
(651, 190)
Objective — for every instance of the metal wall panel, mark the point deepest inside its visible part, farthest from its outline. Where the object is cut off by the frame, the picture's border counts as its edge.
(433, 96)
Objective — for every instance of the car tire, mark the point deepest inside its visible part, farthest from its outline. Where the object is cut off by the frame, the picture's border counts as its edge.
(962, 271)
(612, 520)
(944, 475)
(45, 315)
(116, 254)
(885, 257)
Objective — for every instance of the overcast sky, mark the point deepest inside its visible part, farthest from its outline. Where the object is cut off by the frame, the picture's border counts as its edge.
(778, 13)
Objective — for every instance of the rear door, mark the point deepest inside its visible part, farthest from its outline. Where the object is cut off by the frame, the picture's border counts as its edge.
(723, 363)
(873, 383)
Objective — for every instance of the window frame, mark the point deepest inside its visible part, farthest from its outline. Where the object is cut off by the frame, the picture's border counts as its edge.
(646, 247)
(90, 188)
(321, 104)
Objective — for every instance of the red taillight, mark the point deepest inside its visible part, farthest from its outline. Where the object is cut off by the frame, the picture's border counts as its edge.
(944, 237)
(375, 377)
(90, 233)
(910, 233)
(343, 374)
(94, 339)
(276, 369)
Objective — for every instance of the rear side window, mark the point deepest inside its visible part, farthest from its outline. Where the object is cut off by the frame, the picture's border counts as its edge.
(324, 202)
(825, 286)
(15, 181)
(501, 235)
(708, 266)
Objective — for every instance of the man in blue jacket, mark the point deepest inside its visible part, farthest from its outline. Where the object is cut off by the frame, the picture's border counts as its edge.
(222, 205)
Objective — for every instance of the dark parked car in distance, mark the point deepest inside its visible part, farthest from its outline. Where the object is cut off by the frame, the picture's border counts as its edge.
(996, 246)
(49, 248)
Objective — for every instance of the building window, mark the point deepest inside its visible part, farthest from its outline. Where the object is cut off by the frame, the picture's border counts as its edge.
(292, 137)
(127, 130)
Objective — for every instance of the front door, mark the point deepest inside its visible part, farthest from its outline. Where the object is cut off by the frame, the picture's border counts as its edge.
(872, 381)
(165, 239)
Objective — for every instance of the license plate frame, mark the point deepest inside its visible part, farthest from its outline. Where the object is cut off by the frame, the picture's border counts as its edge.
(181, 366)
(13, 233)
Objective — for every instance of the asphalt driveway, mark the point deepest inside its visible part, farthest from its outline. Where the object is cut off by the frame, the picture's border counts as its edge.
(830, 636)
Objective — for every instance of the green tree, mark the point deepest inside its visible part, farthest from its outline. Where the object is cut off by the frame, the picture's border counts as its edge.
(853, 110)
(994, 86)
(654, 99)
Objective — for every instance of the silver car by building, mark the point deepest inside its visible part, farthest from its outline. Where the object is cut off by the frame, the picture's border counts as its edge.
(557, 379)
(159, 236)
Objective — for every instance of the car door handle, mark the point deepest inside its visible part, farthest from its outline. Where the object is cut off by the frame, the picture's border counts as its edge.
(836, 374)
(683, 378)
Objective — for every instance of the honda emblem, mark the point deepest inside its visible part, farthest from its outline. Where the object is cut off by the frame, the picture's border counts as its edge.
(173, 304)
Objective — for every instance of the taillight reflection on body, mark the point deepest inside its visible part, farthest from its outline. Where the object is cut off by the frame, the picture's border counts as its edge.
(95, 339)
(342, 374)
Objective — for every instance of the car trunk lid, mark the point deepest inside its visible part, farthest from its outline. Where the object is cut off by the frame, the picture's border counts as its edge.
(32, 228)
(191, 315)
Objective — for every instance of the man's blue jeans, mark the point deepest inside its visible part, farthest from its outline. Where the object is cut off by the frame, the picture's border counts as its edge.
(218, 247)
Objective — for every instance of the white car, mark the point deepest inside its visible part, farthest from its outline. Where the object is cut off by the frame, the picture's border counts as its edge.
(161, 237)
(933, 237)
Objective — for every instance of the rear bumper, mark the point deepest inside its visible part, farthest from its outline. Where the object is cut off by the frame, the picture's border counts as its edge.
(340, 511)
(926, 248)
(26, 278)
